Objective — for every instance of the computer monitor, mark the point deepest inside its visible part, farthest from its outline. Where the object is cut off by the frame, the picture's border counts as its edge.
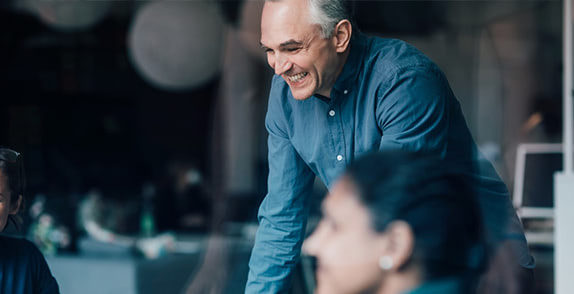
(534, 178)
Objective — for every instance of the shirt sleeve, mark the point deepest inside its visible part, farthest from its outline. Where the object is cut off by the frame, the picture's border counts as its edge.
(282, 214)
(412, 111)
(417, 111)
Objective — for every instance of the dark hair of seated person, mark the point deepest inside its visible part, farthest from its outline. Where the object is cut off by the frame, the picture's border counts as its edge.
(434, 198)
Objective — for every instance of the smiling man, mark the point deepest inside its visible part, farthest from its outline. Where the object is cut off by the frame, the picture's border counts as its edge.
(336, 95)
(302, 54)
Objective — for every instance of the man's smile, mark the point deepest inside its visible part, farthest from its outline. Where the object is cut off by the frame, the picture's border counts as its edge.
(295, 79)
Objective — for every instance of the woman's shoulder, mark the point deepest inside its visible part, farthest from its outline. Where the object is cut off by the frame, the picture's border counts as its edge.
(25, 261)
(19, 248)
(17, 243)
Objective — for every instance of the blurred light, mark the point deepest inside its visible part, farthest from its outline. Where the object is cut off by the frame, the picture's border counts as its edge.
(177, 45)
(68, 15)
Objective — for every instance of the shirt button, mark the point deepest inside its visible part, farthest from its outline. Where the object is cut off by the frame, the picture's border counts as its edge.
(345, 92)
(339, 157)
(331, 112)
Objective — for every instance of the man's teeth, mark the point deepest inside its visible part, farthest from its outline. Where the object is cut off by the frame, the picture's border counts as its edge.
(297, 77)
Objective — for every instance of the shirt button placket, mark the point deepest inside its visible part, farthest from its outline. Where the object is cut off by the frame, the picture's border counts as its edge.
(332, 114)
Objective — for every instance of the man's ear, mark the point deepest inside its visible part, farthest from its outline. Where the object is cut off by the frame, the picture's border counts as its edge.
(342, 35)
(400, 242)
(15, 207)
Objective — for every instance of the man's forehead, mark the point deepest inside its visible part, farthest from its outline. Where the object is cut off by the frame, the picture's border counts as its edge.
(298, 5)
(278, 35)
(282, 21)
(282, 10)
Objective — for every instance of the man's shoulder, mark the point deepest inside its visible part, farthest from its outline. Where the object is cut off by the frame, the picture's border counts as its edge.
(389, 56)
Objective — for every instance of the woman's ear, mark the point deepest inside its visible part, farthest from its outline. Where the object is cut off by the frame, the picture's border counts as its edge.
(342, 35)
(400, 243)
(15, 207)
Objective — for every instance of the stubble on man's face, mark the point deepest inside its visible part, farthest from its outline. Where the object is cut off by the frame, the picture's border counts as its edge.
(296, 49)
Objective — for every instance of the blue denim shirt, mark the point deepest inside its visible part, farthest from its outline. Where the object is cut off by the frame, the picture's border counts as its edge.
(388, 96)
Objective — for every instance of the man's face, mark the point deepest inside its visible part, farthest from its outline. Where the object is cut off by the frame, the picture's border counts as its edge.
(296, 49)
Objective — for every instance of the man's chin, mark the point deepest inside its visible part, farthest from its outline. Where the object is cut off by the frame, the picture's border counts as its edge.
(301, 95)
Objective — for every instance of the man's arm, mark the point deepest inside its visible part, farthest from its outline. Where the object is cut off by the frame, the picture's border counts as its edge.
(413, 111)
(282, 215)
(418, 112)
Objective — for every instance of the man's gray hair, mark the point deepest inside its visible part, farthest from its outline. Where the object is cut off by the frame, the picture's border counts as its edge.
(326, 13)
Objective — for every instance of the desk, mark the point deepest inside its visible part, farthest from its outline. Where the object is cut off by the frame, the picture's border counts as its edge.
(125, 274)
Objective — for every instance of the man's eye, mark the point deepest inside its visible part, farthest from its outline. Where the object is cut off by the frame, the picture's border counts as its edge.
(292, 49)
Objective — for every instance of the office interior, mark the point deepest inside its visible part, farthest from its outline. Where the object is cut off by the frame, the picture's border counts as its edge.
(141, 125)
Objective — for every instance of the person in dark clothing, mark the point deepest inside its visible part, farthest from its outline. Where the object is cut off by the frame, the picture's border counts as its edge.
(23, 269)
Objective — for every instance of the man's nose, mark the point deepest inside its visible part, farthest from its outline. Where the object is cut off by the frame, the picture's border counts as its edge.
(282, 65)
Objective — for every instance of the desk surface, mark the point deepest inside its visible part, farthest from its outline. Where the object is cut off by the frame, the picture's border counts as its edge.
(125, 274)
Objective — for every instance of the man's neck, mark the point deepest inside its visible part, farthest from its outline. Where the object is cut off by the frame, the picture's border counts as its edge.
(339, 69)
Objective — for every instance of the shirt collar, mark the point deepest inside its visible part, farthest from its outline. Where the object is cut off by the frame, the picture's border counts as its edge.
(352, 66)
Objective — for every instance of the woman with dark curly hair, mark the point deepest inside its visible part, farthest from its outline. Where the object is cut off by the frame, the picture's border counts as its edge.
(23, 269)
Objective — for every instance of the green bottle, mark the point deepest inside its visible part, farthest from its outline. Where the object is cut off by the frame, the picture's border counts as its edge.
(147, 220)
